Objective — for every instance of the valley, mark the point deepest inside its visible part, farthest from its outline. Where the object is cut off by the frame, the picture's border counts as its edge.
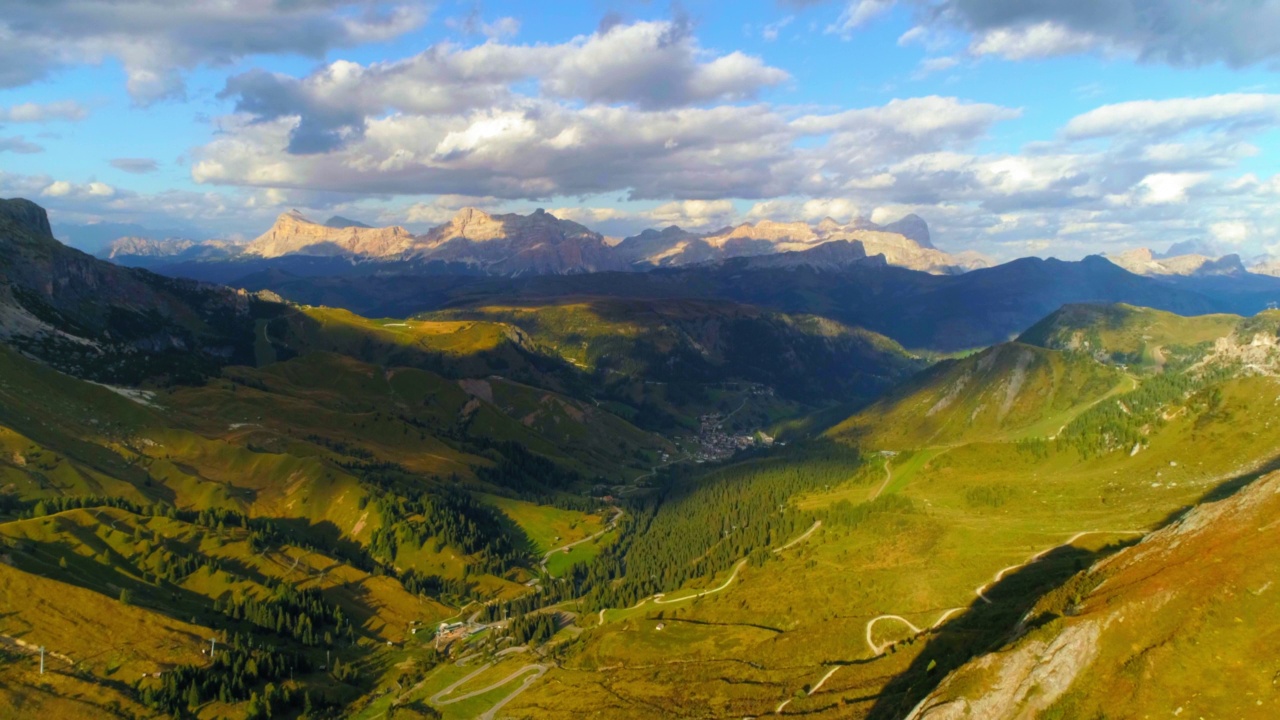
(560, 501)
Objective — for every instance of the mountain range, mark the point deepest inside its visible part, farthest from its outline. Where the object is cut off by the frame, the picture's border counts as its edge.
(1191, 259)
(540, 243)
(721, 489)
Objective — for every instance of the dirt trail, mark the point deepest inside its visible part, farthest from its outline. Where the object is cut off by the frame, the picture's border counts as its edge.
(816, 524)
(877, 650)
(438, 698)
(660, 598)
(888, 476)
(565, 548)
(980, 592)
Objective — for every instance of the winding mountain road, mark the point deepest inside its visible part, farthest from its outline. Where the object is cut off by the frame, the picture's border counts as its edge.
(440, 699)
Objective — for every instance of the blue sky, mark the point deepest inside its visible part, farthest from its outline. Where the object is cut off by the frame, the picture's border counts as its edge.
(1014, 128)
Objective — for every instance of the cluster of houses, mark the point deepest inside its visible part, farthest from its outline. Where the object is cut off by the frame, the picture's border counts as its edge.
(715, 443)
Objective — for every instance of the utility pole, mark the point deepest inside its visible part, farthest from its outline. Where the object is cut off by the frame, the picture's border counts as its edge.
(41, 659)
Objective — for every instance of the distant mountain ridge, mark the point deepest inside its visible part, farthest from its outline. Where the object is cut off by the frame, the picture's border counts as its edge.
(1144, 261)
(541, 243)
(144, 252)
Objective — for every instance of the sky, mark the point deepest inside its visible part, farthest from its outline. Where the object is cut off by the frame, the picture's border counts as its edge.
(1014, 127)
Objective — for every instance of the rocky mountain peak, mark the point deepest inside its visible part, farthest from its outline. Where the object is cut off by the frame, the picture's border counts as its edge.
(294, 234)
(913, 227)
(829, 225)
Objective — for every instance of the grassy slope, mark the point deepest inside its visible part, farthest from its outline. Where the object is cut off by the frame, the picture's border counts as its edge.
(1008, 391)
(1141, 337)
(977, 507)
(1183, 623)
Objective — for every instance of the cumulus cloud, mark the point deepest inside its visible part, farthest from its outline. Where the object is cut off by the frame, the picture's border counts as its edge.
(537, 149)
(649, 65)
(137, 166)
(694, 214)
(1176, 32)
(842, 210)
(592, 216)
(1231, 232)
(31, 112)
(155, 40)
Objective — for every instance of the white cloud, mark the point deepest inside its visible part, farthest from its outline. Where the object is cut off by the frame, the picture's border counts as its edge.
(654, 65)
(929, 66)
(650, 65)
(858, 13)
(813, 209)
(593, 215)
(694, 214)
(98, 189)
(1231, 232)
(1040, 40)
(1166, 117)
(1169, 188)
(57, 189)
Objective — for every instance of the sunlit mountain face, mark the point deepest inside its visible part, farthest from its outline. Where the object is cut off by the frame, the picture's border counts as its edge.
(838, 359)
